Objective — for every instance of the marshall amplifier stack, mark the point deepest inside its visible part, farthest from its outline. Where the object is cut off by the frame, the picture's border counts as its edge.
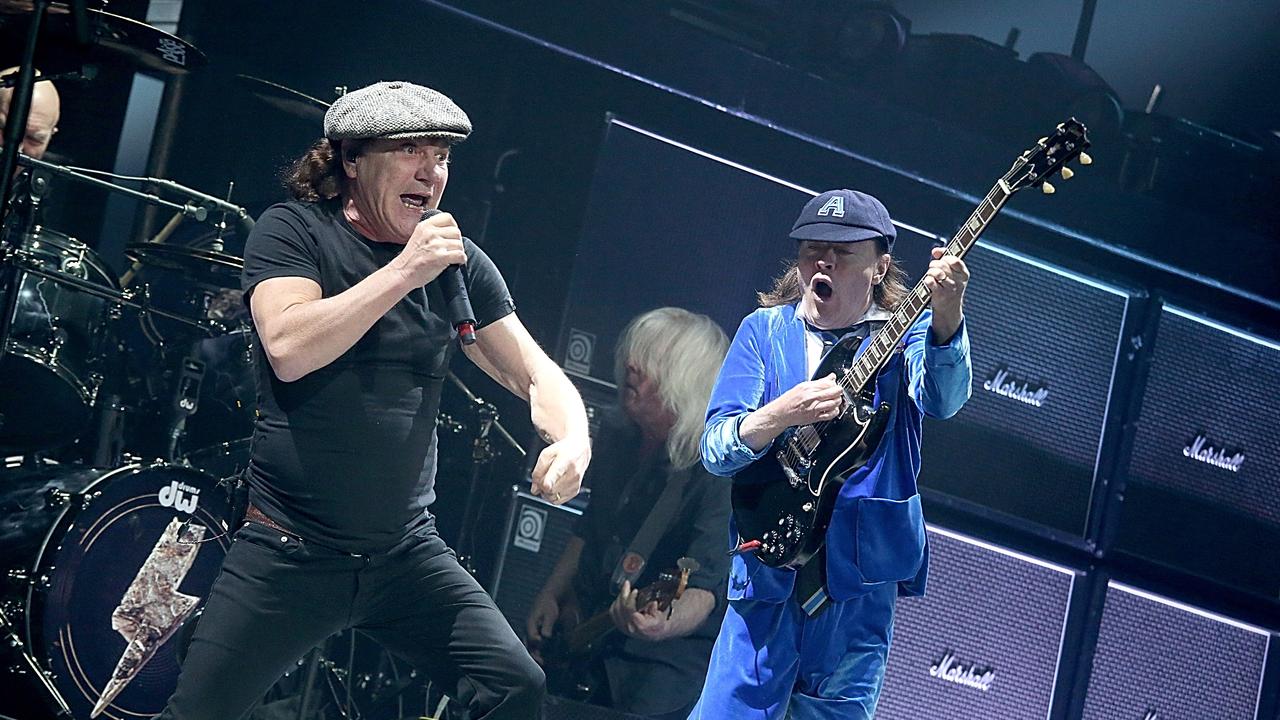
(1203, 486)
(1048, 349)
(1157, 658)
(986, 640)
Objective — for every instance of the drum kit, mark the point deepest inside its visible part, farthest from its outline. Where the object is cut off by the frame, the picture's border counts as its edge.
(126, 406)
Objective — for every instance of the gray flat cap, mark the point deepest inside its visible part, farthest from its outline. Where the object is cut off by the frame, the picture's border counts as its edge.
(396, 110)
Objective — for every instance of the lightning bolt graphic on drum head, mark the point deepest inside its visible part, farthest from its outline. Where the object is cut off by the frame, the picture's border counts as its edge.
(152, 609)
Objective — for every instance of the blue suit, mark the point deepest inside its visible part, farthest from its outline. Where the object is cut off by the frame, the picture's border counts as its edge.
(769, 655)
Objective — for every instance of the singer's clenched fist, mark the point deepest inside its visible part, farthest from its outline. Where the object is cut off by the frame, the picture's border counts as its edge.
(436, 243)
(557, 476)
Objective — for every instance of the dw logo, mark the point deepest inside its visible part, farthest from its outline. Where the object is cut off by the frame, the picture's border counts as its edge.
(180, 497)
(529, 528)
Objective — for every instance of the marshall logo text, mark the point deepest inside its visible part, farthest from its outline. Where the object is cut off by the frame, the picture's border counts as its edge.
(1199, 449)
(1005, 385)
(970, 675)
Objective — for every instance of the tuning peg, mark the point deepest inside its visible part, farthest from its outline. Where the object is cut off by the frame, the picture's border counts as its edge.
(1085, 159)
(1043, 140)
(1047, 189)
(1068, 173)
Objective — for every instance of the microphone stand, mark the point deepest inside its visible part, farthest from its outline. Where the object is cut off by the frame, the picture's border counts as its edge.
(196, 212)
(20, 107)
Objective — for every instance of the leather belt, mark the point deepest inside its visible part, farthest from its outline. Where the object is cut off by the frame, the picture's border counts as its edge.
(253, 514)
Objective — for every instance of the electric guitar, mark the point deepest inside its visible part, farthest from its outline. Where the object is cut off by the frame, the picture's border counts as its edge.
(782, 502)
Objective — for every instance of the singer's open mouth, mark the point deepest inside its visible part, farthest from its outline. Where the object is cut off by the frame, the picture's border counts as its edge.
(417, 202)
(822, 288)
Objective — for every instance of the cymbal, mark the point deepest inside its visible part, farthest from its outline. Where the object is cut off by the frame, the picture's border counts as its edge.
(207, 267)
(284, 98)
(113, 37)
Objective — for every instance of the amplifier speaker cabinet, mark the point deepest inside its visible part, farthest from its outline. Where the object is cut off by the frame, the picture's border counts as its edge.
(1047, 350)
(986, 640)
(718, 239)
(536, 535)
(1202, 490)
(1159, 659)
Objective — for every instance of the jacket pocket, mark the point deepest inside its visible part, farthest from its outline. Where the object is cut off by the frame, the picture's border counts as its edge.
(889, 539)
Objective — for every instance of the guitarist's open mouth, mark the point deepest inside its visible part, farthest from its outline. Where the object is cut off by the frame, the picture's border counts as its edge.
(822, 288)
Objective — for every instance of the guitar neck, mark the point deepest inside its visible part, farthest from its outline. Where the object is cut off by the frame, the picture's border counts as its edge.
(589, 632)
(586, 634)
(910, 309)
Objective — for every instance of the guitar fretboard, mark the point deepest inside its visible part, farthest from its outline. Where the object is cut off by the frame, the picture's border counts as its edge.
(910, 309)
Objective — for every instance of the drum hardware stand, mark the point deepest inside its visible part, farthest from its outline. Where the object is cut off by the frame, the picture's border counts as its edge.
(482, 455)
(28, 664)
(216, 245)
(186, 400)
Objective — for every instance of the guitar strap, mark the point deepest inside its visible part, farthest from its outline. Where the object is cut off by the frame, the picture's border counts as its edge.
(655, 525)
(861, 331)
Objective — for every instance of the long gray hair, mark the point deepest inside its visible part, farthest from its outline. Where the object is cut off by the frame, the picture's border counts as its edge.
(681, 351)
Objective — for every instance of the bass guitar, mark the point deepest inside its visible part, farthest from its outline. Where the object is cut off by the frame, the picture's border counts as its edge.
(569, 659)
(782, 503)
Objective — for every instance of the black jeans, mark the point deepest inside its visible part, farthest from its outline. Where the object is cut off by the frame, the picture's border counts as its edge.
(277, 597)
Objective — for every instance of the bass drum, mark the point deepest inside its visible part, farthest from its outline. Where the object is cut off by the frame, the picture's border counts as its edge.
(126, 556)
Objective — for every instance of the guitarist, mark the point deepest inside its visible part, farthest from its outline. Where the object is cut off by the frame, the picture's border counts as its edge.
(646, 481)
(813, 643)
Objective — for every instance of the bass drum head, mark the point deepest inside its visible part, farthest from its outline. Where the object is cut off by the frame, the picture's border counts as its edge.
(125, 568)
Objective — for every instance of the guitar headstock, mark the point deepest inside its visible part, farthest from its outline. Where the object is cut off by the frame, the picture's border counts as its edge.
(1049, 156)
(669, 586)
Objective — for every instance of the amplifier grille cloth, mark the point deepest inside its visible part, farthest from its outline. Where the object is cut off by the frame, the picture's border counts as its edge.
(1205, 381)
(998, 611)
(1158, 658)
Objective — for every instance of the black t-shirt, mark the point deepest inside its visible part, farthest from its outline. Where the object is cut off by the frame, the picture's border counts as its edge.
(345, 456)
(624, 490)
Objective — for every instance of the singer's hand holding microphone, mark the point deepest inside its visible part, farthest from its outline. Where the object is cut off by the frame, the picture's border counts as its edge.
(435, 253)
(436, 243)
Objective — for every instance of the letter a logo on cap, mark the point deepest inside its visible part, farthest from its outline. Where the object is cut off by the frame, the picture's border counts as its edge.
(833, 206)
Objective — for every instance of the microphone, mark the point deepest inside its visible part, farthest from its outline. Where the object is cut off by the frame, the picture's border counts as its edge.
(454, 288)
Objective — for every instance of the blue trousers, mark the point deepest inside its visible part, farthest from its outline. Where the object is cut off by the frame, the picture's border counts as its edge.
(771, 661)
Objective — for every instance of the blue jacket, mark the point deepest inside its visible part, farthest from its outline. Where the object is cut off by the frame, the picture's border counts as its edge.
(877, 530)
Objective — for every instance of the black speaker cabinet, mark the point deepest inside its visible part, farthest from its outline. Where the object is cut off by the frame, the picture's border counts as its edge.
(536, 534)
(1046, 354)
(632, 258)
(1203, 483)
(1157, 659)
(986, 640)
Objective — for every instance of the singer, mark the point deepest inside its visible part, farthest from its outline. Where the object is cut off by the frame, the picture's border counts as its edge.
(354, 346)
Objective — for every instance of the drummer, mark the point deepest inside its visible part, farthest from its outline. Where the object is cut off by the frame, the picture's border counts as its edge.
(42, 122)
